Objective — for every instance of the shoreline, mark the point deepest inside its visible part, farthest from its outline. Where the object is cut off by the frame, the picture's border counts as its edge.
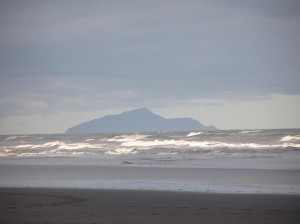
(62, 205)
(214, 180)
(245, 161)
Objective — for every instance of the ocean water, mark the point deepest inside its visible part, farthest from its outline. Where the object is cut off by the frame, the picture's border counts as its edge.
(247, 148)
(239, 161)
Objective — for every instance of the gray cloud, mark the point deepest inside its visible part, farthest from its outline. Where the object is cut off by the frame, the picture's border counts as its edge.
(70, 55)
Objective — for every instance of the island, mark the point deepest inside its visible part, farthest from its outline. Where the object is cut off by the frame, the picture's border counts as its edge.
(139, 120)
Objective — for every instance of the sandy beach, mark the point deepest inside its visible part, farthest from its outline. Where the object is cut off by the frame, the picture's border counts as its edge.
(56, 205)
(125, 194)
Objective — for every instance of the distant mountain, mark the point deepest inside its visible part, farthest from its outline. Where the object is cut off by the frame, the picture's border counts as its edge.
(140, 120)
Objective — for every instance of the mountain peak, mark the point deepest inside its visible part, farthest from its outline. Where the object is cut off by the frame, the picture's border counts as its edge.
(138, 120)
(140, 110)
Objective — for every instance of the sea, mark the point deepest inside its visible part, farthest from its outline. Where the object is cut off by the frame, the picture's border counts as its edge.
(279, 149)
(231, 161)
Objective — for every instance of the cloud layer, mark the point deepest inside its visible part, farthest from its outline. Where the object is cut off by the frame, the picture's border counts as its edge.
(60, 56)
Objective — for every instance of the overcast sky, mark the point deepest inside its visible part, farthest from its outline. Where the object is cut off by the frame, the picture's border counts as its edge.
(234, 64)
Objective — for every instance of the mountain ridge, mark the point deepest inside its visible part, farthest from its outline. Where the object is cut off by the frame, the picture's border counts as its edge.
(138, 120)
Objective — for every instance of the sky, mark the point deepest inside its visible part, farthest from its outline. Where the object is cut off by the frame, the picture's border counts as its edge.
(234, 64)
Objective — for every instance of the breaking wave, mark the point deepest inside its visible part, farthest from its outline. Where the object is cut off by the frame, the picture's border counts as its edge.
(204, 144)
(126, 138)
(15, 137)
(290, 138)
(182, 143)
(250, 131)
(194, 134)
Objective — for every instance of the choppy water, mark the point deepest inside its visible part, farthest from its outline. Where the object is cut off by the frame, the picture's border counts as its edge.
(247, 152)
(199, 144)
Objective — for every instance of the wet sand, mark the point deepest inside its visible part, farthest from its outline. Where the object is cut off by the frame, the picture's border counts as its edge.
(152, 178)
(63, 205)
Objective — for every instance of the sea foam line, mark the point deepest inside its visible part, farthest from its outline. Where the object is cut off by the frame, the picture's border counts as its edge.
(204, 144)
(290, 138)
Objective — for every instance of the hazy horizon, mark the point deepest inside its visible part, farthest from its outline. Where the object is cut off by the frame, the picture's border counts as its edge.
(233, 64)
(191, 131)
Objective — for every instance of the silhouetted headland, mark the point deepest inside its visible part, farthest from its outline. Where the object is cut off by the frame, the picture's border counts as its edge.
(139, 120)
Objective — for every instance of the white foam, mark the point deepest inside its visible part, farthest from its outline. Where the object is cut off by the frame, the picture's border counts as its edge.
(90, 139)
(291, 145)
(127, 138)
(51, 144)
(194, 134)
(121, 151)
(15, 137)
(61, 145)
(227, 145)
(151, 143)
(79, 146)
(203, 144)
(11, 138)
(77, 153)
(249, 131)
(167, 153)
(50, 149)
(3, 154)
(45, 145)
(25, 146)
(290, 138)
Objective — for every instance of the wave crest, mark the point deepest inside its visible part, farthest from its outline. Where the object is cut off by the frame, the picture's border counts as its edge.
(290, 138)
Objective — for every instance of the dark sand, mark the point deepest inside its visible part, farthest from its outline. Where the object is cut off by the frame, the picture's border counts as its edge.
(53, 205)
